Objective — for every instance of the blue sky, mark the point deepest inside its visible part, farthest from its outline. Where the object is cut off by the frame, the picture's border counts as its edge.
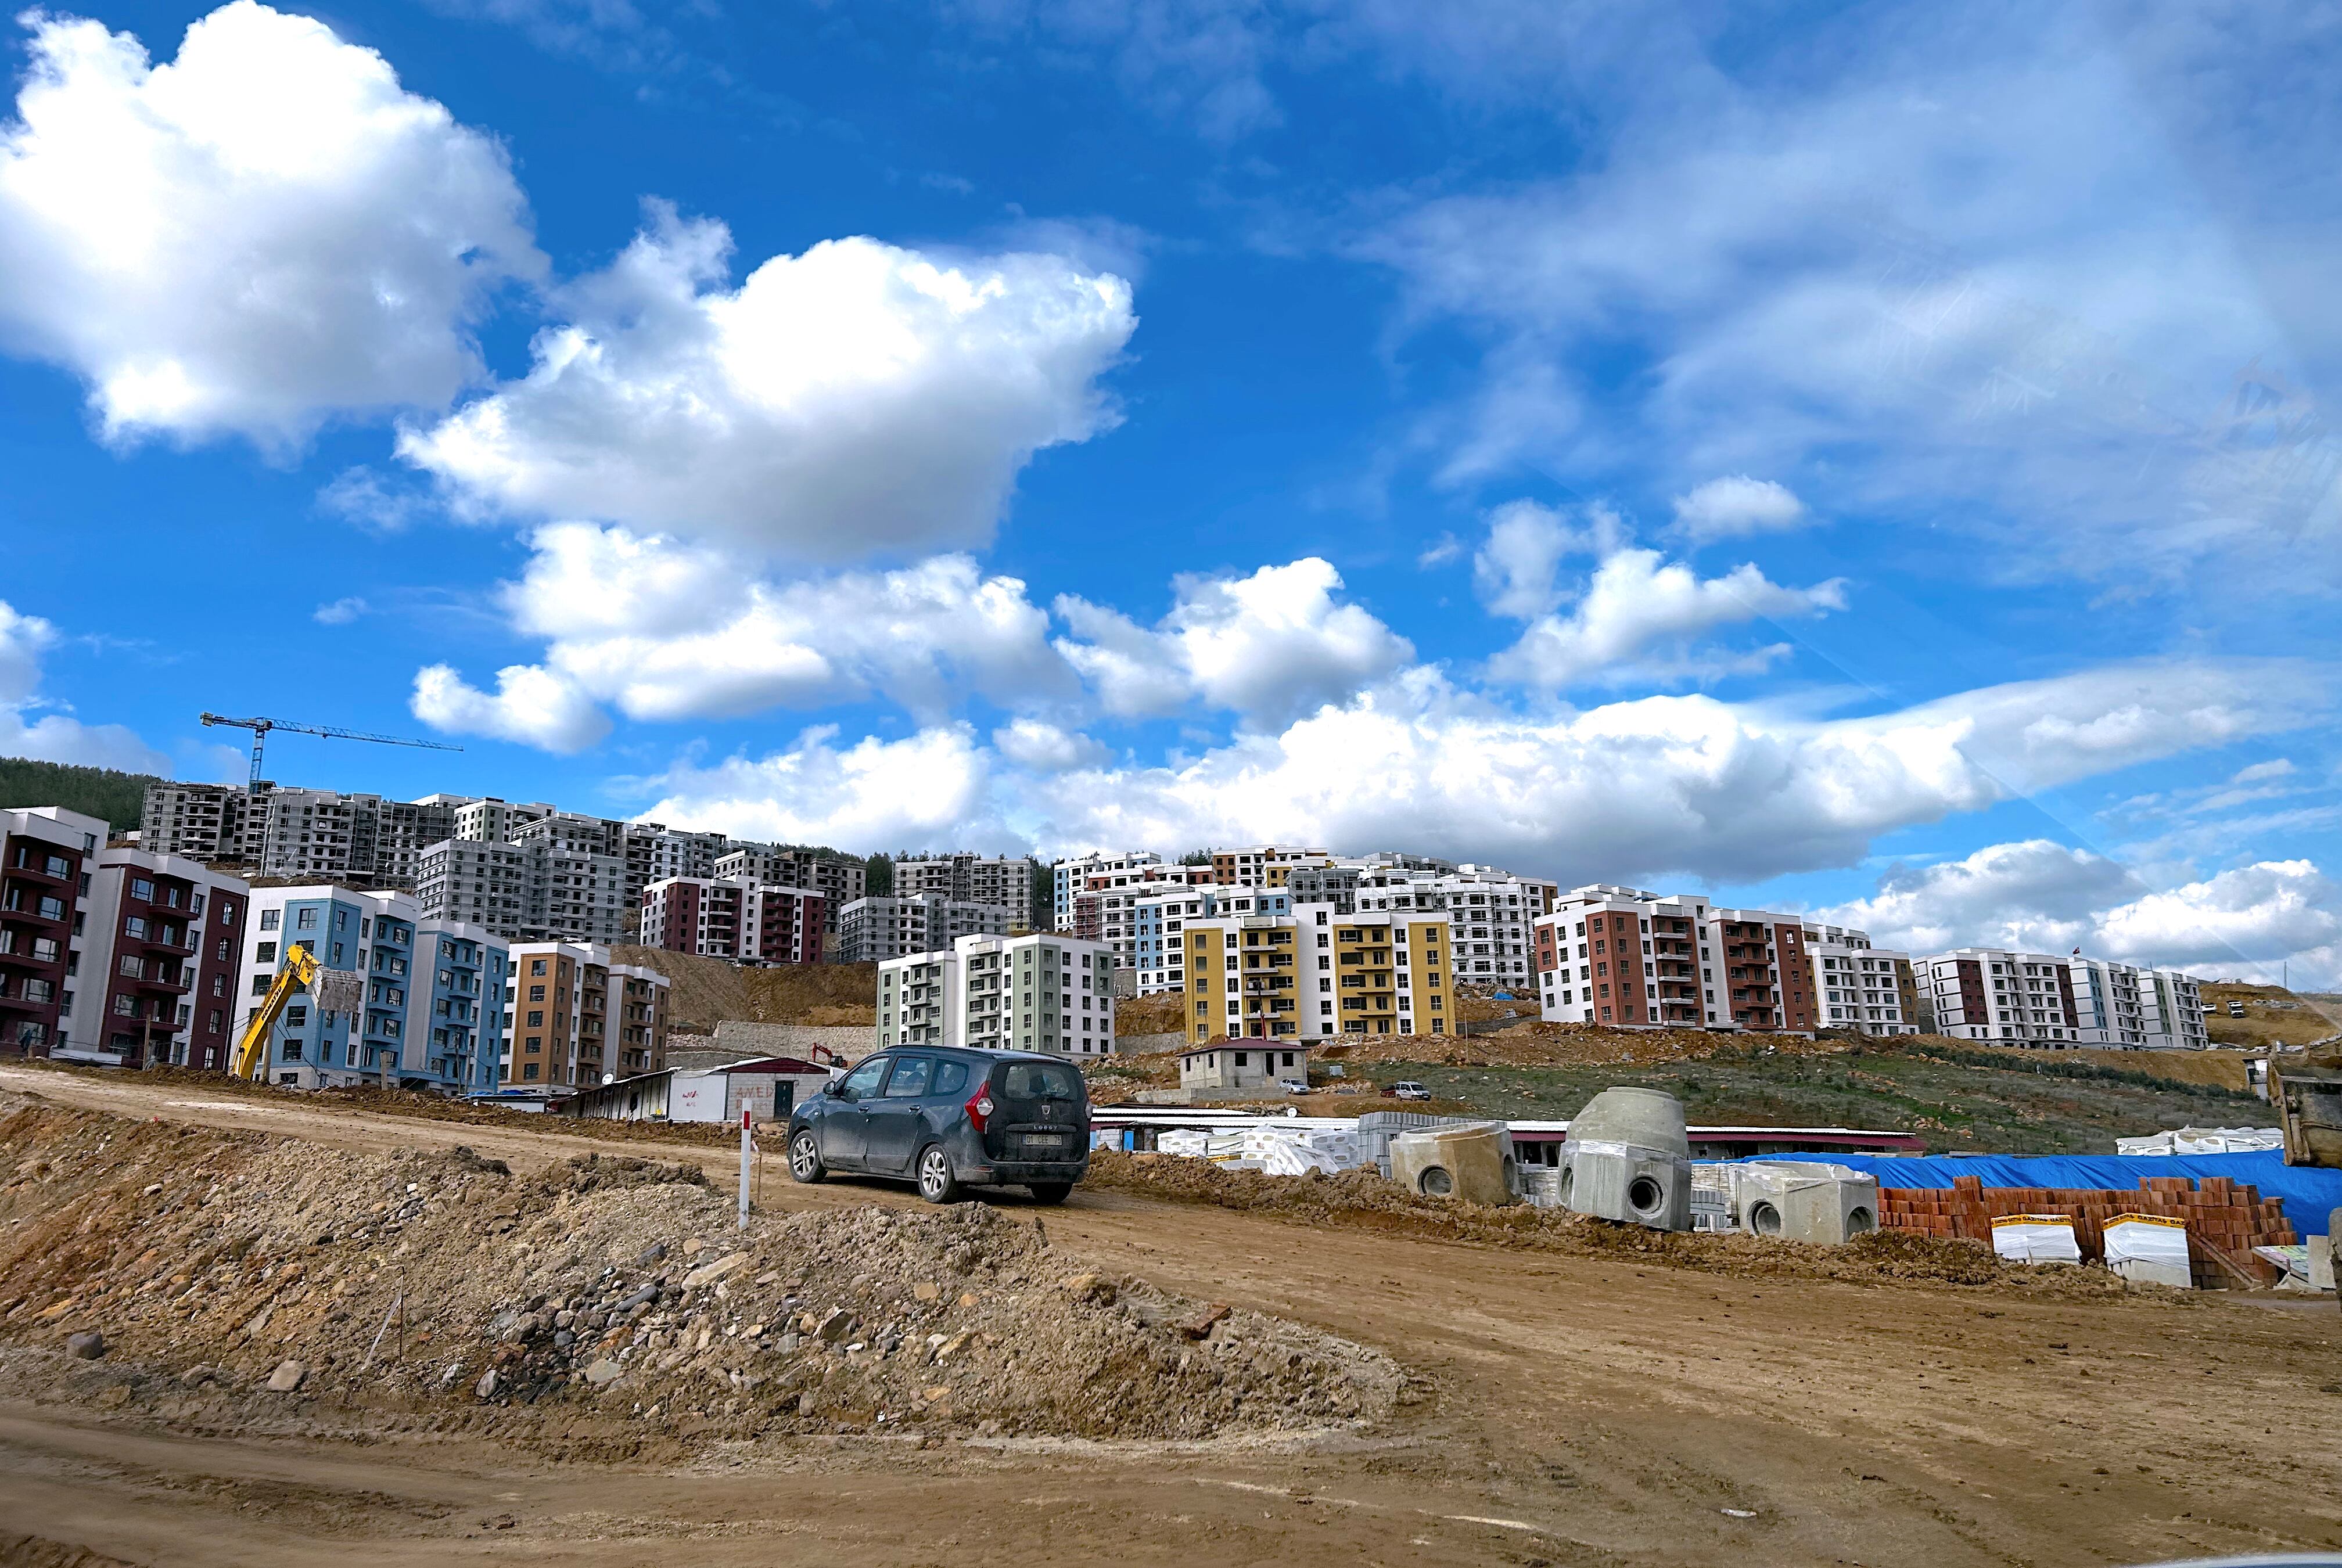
(1863, 459)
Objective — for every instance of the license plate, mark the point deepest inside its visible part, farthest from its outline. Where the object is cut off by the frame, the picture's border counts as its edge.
(1044, 1141)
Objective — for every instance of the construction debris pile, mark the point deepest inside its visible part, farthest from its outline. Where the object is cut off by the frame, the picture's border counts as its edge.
(2225, 1220)
(616, 1289)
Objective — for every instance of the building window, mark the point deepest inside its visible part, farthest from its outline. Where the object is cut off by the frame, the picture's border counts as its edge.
(269, 918)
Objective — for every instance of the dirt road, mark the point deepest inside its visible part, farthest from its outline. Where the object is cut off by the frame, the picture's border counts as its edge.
(1588, 1412)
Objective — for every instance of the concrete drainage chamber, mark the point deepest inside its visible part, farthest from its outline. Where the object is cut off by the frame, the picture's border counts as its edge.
(1805, 1201)
(1628, 1160)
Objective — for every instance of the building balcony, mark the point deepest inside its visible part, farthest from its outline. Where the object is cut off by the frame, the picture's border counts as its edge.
(158, 976)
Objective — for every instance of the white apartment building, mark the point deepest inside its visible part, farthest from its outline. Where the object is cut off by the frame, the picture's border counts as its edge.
(1859, 986)
(1105, 910)
(875, 929)
(554, 884)
(574, 1019)
(1038, 991)
(2006, 998)
(493, 821)
(1493, 913)
(1622, 956)
(1071, 876)
(965, 878)
(2125, 1007)
(672, 853)
(199, 822)
(1159, 951)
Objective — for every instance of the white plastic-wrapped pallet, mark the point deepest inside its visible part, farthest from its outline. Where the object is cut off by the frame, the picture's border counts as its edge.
(1180, 1141)
(1711, 1196)
(2149, 1249)
(2035, 1239)
(1285, 1151)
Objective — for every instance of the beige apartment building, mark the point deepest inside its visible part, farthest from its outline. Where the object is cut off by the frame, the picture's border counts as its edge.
(574, 1019)
(1312, 974)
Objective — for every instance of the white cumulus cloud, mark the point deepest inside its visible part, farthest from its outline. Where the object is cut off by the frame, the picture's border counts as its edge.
(54, 737)
(1643, 616)
(261, 234)
(1633, 791)
(1725, 508)
(666, 631)
(1045, 747)
(857, 398)
(1267, 647)
(1517, 569)
(532, 706)
(2043, 897)
(876, 794)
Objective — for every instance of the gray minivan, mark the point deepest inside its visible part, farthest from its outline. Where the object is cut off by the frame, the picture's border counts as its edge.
(948, 1117)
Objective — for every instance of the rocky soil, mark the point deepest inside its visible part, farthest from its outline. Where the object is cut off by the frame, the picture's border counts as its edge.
(603, 1302)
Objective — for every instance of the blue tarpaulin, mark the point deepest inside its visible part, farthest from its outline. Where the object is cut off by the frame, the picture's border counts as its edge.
(2310, 1194)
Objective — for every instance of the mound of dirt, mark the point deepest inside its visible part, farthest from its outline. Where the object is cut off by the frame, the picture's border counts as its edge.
(1364, 1199)
(703, 992)
(1165, 1014)
(836, 994)
(615, 1295)
(412, 1103)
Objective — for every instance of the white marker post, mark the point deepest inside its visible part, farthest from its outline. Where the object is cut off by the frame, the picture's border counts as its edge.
(746, 1116)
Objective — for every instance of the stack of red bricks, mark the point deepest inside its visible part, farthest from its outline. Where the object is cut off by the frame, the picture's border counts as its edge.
(2221, 1214)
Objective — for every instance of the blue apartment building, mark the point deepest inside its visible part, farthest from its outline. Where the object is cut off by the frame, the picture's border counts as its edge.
(410, 1001)
(1157, 952)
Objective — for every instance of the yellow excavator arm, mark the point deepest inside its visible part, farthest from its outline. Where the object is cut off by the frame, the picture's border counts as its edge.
(300, 973)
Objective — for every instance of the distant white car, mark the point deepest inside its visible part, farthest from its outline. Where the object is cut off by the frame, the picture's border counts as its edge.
(1408, 1089)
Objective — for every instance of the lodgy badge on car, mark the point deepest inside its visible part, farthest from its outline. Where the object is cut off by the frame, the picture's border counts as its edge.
(949, 1118)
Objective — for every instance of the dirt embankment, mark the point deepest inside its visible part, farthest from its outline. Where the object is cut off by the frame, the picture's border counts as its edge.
(2273, 1016)
(1164, 1015)
(602, 1305)
(1364, 1199)
(410, 1104)
(703, 992)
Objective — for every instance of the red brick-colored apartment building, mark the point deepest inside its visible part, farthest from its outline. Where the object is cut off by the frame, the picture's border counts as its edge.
(1632, 959)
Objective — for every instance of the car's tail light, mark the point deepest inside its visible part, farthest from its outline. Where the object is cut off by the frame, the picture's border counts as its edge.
(980, 1109)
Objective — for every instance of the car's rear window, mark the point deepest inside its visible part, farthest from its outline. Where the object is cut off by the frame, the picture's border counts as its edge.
(1038, 1081)
(951, 1078)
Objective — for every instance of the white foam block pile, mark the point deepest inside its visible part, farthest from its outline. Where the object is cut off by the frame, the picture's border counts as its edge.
(1280, 1150)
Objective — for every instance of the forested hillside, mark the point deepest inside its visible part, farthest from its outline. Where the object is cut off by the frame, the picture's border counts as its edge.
(98, 791)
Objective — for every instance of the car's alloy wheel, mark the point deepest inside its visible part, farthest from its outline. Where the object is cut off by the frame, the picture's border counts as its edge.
(804, 1158)
(936, 1183)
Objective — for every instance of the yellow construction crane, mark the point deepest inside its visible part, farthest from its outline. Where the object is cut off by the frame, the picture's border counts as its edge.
(299, 973)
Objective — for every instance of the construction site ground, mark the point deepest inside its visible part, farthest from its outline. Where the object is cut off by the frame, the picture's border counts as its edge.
(1563, 1407)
